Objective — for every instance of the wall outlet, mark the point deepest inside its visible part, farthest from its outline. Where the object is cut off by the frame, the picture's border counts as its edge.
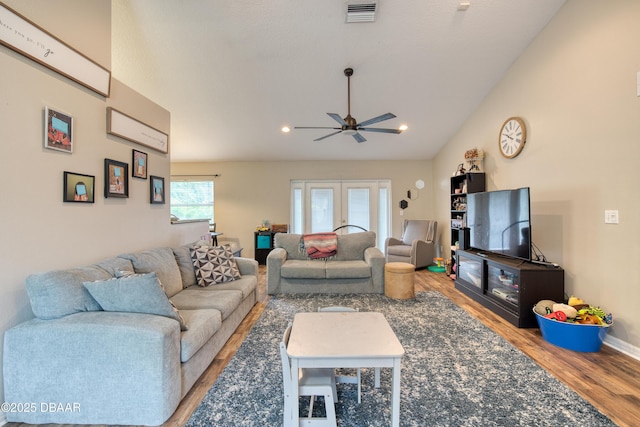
(611, 217)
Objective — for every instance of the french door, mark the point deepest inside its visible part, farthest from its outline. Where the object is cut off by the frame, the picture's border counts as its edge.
(319, 206)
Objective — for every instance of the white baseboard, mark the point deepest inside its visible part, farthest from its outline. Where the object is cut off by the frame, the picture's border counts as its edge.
(622, 346)
(3, 420)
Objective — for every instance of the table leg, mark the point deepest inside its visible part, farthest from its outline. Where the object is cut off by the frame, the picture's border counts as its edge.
(395, 393)
(295, 410)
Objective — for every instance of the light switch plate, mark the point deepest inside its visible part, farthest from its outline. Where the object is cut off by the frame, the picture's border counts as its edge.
(611, 217)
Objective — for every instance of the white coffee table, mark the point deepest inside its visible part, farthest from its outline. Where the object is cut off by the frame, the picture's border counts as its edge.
(344, 340)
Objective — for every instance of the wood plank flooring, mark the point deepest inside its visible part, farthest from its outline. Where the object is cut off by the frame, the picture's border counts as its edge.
(609, 380)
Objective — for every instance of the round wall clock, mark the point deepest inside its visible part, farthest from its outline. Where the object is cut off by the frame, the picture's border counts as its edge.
(512, 137)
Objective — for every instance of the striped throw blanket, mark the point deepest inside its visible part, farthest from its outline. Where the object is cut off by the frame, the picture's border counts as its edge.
(320, 245)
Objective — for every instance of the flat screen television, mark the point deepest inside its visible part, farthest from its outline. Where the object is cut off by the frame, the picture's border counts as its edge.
(500, 222)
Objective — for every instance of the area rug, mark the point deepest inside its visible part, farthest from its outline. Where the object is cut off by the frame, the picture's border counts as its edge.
(456, 372)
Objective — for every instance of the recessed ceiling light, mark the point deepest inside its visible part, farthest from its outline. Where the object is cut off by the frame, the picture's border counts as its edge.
(403, 127)
(286, 129)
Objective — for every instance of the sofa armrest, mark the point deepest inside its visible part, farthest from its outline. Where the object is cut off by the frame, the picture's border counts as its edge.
(392, 241)
(275, 259)
(375, 258)
(247, 266)
(423, 252)
(113, 368)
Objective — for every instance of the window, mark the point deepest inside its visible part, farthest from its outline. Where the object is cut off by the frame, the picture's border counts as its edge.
(192, 198)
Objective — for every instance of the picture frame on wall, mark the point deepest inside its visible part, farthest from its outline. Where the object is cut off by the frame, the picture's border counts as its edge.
(126, 127)
(58, 130)
(139, 164)
(116, 179)
(34, 42)
(156, 190)
(78, 188)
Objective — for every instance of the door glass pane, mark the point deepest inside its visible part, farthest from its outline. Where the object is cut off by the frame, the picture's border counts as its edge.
(297, 211)
(358, 208)
(321, 210)
(383, 217)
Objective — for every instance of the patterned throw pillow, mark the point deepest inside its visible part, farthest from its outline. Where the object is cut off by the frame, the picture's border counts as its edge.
(214, 264)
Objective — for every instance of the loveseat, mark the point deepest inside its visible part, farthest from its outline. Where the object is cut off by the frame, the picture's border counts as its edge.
(356, 267)
(94, 355)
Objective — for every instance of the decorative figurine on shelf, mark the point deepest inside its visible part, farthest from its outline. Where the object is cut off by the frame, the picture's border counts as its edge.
(460, 171)
(475, 159)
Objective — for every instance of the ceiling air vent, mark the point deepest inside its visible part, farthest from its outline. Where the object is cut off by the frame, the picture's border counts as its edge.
(361, 12)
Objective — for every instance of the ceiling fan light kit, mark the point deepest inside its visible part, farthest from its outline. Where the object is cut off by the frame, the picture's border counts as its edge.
(349, 125)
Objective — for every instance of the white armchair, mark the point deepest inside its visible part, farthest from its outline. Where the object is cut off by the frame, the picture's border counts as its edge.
(417, 245)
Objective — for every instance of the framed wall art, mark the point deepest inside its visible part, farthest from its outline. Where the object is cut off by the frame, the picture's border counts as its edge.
(25, 37)
(78, 188)
(139, 164)
(116, 179)
(156, 190)
(126, 127)
(58, 130)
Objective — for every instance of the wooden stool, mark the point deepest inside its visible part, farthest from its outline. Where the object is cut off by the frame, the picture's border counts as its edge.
(398, 280)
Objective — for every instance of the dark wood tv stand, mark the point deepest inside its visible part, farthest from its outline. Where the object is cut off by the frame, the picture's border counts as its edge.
(507, 286)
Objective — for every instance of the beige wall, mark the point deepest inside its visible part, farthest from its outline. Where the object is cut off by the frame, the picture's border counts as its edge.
(246, 193)
(575, 87)
(39, 232)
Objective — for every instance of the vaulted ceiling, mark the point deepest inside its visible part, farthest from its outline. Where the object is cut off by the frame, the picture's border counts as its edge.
(234, 72)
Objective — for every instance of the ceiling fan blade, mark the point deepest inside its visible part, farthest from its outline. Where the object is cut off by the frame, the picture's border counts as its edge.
(377, 119)
(337, 118)
(380, 130)
(358, 137)
(315, 127)
(327, 136)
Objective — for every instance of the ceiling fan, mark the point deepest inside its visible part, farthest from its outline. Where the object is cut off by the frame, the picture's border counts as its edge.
(349, 125)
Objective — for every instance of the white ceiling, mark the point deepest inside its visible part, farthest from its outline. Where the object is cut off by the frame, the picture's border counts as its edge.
(233, 72)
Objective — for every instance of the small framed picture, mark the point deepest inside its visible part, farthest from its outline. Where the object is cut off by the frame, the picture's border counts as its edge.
(78, 188)
(116, 179)
(139, 164)
(58, 130)
(156, 190)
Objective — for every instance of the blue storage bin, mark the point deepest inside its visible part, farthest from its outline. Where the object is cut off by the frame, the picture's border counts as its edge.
(264, 242)
(572, 336)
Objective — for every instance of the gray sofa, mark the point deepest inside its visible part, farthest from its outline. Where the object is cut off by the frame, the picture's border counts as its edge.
(357, 267)
(115, 367)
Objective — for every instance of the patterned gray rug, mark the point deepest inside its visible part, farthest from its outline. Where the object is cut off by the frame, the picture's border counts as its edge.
(456, 372)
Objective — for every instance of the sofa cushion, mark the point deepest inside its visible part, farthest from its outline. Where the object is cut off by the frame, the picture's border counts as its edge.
(136, 293)
(161, 261)
(400, 250)
(214, 264)
(296, 269)
(185, 265)
(352, 246)
(292, 244)
(115, 264)
(246, 285)
(203, 324)
(59, 293)
(348, 270)
(196, 298)
(418, 230)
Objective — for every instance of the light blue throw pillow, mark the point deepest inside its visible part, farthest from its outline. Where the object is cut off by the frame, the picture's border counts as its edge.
(136, 293)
